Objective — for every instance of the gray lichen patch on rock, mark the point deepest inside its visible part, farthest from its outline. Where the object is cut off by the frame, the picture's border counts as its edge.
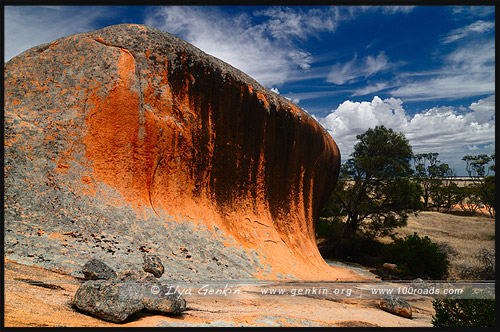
(396, 305)
(153, 265)
(95, 269)
(129, 292)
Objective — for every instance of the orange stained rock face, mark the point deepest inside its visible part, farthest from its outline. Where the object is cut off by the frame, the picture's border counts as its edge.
(177, 134)
(112, 140)
(263, 98)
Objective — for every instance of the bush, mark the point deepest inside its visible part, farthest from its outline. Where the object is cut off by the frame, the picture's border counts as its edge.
(363, 250)
(463, 313)
(327, 228)
(486, 271)
(420, 257)
(358, 248)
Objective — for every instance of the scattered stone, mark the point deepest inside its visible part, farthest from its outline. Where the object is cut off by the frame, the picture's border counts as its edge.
(94, 269)
(396, 305)
(389, 271)
(102, 299)
(153, 265)
(130, 292)
(172, 304)
(154, 295)
(418, 283)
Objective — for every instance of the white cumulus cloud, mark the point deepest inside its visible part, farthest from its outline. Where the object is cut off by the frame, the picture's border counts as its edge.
(446, 130)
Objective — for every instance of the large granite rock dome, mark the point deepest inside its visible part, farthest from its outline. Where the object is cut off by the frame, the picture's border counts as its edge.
(128, 139)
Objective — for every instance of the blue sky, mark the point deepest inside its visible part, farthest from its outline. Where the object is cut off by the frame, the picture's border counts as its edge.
(425, 71)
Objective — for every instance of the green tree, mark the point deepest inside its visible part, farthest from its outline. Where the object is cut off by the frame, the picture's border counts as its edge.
(446, 193)
(374, 193)
(470, 198)
(430, 173)
(483, 182)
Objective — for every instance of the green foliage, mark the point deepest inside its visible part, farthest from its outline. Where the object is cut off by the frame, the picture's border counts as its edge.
(431, 175)
(483, 182)
(446, 196)
(359, 249)
(374, 193)
(381, 153)
(328, 228)
(476, 165)
(487, 195)
(470, 198)
(420, 257)
(464, 313)
(363, 250)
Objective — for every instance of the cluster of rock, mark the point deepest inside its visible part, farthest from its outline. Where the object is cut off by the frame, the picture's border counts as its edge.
(115, 296)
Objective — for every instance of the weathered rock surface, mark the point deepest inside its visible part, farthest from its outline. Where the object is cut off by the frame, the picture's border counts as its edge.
(128, 139)
(94, 269)
(396, 305)
(153, 265)
(130, 292)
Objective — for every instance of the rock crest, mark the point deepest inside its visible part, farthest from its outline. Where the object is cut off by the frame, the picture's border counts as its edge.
(132, 131)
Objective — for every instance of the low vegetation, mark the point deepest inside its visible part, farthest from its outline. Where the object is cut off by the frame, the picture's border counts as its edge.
(464, 313)
(383, 211)
(378, 191)
(419, 257)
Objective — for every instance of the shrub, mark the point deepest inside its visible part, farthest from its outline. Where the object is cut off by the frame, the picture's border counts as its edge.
(420, 257)
(486, 271)
(463, 313)
(327, 228)
(447, 248)
(363, 250)
(358, 248)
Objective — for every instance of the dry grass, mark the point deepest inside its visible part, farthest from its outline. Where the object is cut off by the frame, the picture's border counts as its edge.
(460, 236)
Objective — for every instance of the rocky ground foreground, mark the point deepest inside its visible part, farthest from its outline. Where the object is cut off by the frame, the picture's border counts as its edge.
(38, 297)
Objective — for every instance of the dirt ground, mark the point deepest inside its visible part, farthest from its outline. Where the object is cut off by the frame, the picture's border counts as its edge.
(462, 236)
(49, 304)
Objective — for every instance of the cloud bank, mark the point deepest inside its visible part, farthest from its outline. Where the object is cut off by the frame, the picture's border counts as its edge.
(452, 132)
